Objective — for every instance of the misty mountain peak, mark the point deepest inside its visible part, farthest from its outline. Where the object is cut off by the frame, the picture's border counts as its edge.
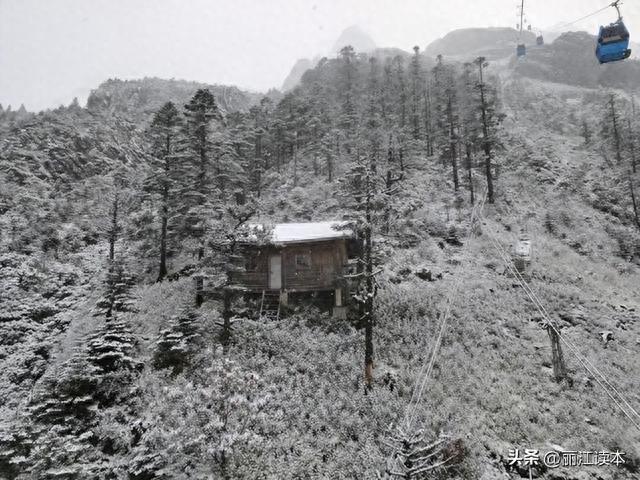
(357, 38)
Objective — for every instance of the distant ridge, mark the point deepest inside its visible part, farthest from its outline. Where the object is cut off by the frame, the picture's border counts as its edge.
(570, 59)
(142, 97)
(494, 42)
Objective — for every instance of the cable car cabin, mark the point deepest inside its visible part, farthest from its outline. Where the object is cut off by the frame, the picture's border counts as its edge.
(521, 50)
(522, 254)
(297, 257)
(539, 40)
(613, 43)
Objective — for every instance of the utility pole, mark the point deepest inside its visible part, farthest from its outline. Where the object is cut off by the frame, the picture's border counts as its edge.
(559, 367)
(521, 16)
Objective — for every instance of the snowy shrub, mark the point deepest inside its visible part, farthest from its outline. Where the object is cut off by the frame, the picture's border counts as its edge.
(71, 238)
(208, 425)
(628, 241)
(436, 227)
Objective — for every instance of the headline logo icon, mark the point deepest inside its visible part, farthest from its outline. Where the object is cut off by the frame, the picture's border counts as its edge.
(529, 457)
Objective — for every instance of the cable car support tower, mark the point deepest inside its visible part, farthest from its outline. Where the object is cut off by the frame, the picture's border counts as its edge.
(521, 50)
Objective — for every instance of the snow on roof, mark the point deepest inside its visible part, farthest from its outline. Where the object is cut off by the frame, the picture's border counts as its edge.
(300, 232)
(304, 232)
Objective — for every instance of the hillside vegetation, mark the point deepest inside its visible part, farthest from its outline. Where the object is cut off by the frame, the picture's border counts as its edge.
(114, 368)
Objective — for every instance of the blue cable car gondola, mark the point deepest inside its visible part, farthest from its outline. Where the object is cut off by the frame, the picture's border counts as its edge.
(521, 50)
(613, 41)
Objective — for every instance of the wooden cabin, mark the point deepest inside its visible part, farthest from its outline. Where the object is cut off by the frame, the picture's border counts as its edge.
(296, 257)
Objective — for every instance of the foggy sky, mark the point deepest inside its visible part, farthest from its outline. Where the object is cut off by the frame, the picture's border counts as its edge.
(53, 50)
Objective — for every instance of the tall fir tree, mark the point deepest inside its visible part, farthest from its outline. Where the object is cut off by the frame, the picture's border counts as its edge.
(447, 116)
(202, 116)
(490, 118)
(165, 174)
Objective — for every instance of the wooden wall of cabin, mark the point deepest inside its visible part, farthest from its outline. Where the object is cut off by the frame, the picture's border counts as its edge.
(313, 266)
(305, 266)
(256, 265)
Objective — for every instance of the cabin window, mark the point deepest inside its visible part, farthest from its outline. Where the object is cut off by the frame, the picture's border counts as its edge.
(303, 261)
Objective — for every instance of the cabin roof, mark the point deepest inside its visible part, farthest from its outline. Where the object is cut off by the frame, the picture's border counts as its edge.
(286, 233)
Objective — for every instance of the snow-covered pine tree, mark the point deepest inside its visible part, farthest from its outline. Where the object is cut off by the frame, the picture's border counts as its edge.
(612, 131)
(117, 296)
(317, 126)
(621, 143)
(446, 115)
(111, 346)
(259, 116)
(417, 82)
(362, 189)
(178, 342)
(400, 87)
(348, 82)
(59, 419)
(62, 416)
(371, 121)
(165, 173)
(225, 259)
(490, 118)
(203, 126)
(470, 126)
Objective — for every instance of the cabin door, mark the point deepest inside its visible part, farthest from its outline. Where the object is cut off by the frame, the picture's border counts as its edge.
(275, 272)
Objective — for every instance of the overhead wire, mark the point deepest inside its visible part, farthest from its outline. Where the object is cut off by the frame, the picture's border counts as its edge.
(583, 360)
(589, 15)
(541, 306)
(427, 368)
(425, 373)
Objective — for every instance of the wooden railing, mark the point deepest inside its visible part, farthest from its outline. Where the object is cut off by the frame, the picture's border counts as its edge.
(253, 280)
(302, 280)
(309, 279)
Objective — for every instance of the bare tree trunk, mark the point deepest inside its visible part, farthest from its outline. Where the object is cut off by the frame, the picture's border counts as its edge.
(486, 145)
(632, 146)
(162, 271)
(452, 146)
(200, 281)
(163, 244)
(203, 192)
(633, 201)
(470, 173)
(227, 300)
(295, 160)
(368, 326)
(369, 287)
(616, 133)
(427, 119)
(113, 232)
